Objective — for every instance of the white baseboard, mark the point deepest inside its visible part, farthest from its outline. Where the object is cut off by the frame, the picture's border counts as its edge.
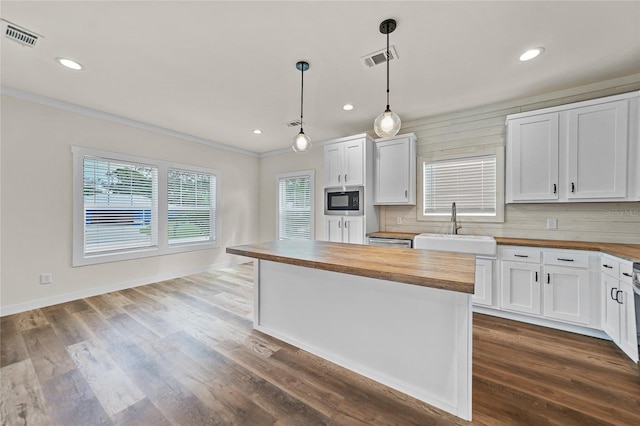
(68, 297)
(542, 322)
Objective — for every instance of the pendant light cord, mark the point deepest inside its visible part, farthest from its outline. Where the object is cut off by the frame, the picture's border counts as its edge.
(301, 97)
(387, 55)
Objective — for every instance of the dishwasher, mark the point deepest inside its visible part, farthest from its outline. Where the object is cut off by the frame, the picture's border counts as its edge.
(390, 242)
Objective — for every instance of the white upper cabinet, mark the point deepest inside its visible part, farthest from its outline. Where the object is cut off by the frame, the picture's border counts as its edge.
(532, 158)
(344, 163)
(598, 140)
(587, 151)
(394, 170)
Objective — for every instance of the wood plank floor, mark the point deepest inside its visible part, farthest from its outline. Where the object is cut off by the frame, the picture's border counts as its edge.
(182, 352)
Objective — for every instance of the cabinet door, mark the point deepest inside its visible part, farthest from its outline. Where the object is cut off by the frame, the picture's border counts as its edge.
(598, 151)
(532, 158)
(483, 294)
(353, 163)
(333, 164)
(353, 231)
(610, 307)
(628, 337)
(333, 228)
(521, 287)
(567, 294)
(392, 172)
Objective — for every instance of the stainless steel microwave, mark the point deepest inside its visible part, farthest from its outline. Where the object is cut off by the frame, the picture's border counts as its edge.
(345, 201)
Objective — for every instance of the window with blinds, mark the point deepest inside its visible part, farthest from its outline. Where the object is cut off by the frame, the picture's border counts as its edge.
(469, 182)
(127, 207)
(120, 205)
(295, 207)
(191, 207)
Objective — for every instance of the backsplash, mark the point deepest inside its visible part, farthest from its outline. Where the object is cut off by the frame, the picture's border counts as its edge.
(484, 128)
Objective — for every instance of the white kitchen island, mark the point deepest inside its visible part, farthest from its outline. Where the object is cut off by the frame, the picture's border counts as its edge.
(401, 317)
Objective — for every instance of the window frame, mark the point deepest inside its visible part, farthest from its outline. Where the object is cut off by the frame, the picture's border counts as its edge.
(302, 173)
(500, 164)
(79, 258)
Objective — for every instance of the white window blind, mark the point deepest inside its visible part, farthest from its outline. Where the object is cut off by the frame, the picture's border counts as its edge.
(191, 206)
(295, 207)
(120, 205)
(469, 182)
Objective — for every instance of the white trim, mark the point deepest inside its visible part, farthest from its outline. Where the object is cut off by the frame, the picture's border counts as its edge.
(55, 103)
(312, 183)
(81, 294)
(315, 144)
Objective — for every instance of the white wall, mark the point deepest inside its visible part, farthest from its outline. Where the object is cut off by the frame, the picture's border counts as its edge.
(36, 209)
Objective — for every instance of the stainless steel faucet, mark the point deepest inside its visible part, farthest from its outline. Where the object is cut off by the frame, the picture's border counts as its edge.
(454, 220)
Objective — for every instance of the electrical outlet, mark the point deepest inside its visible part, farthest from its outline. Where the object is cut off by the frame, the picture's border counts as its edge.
(398, 220)
(552, 223)
(46, 278)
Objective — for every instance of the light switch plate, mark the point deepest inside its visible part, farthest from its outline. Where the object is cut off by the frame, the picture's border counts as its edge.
(552, 223)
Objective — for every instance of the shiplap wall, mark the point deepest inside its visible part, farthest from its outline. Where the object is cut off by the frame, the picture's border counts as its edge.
(483, 128)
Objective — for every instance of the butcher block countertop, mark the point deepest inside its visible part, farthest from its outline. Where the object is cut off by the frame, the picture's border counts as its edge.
(627, 251)
(397, 235)
(446, 271)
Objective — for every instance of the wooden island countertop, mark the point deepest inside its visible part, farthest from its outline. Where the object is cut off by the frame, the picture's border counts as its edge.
(441, 270)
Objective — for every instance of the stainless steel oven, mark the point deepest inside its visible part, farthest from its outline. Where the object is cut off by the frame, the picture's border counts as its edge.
(344, 201)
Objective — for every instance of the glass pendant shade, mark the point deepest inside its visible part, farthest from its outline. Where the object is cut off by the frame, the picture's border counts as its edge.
(301, 143)
(387, 124)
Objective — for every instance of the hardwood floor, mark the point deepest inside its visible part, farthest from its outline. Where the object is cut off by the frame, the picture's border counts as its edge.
(183, 352)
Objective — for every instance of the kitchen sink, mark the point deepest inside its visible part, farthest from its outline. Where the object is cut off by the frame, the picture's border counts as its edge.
(475, 244)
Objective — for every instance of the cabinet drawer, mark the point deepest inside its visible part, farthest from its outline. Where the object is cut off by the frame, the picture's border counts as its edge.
(610, 267)
(521, 254)
(626, 270)
(575, 260)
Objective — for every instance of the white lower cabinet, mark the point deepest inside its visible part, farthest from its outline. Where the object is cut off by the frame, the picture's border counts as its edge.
(567, 294)
(552, 284)
(344, 229)
(521, 287)
(483, 294)
(618, 307)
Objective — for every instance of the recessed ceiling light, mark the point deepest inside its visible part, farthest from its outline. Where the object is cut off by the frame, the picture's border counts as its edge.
(347, 107)
(531, 53)
(257, 131)
(69, 63)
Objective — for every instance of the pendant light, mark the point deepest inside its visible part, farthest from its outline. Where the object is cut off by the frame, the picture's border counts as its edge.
(302, 142)
(388, 123)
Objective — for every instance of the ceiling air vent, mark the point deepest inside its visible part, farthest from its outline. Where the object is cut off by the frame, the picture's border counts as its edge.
(293, 123)
(22, 36)
(379, 57)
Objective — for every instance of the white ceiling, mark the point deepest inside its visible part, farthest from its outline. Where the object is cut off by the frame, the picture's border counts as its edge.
(218, 69)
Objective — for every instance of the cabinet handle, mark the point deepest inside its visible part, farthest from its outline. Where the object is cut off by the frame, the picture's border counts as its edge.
(618, 300)
(406, 193)
(555, 189)
(565, 260)
(536, 276)
(626, 275)
(339, 178)
(573, 187)
(345, 178)
(611, 293)
(520, 255)
(607, 266)
(340, 224)
(548, 278)
(346, 223)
